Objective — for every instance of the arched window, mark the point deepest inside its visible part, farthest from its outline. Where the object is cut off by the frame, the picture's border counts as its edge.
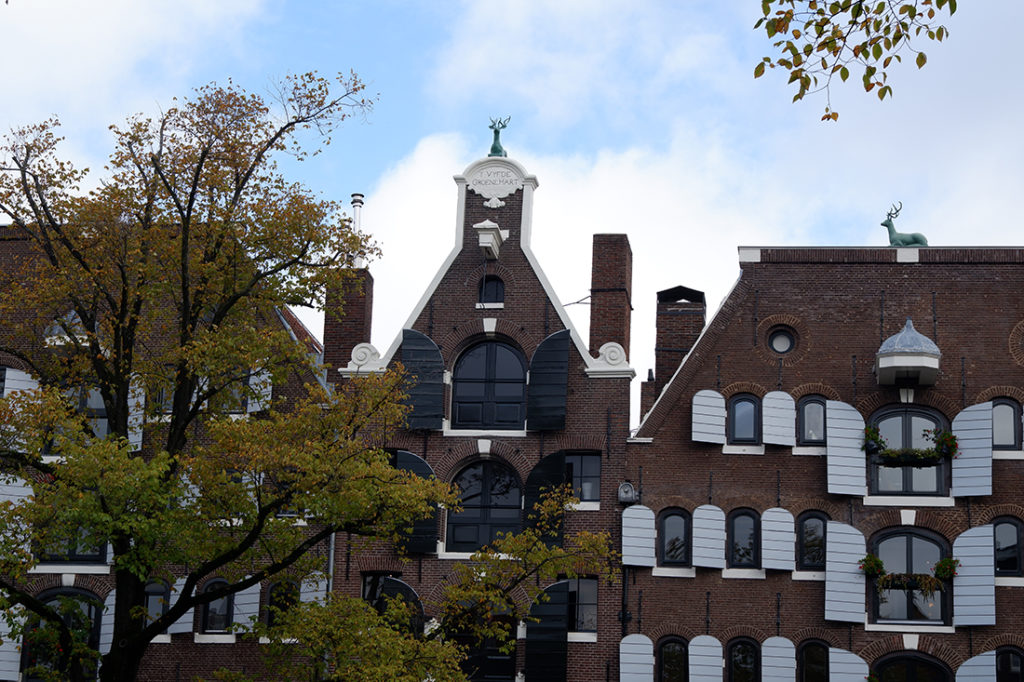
(743, 661)
(672, 661)
(674, 538)
(80, 611)
(492, 289)
(810, 420)
(812, 661)
(489, 388)
(906, 554)
(744, 530)
(1009, 664)
(906, 667)
(905, 428)
(218, 614)
(489, 493)
(1008, 557)
(379, 589)
(158, 597)
(744, 419)
(810, 541)
(281, 597)
(1006, 424)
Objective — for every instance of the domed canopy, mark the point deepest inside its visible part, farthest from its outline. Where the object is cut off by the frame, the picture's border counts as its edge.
(907, 357)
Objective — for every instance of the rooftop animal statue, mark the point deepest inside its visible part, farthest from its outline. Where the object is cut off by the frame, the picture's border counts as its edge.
(497, 125)
(901, 238)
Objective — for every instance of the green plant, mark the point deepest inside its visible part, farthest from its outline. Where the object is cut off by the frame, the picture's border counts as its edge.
(871, 677)
(872, 566)
(927, 584)
(873, 440)
(945, 447)
(945, 569)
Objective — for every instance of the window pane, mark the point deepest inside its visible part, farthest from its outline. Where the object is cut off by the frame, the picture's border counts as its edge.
(743, 662)
(674, 538)
(924, 479)
(507, 364)
(743, 420)
(813, 530)
(918, 425)
(926, 607)
(893, 553)
(814, 663)
(890, 479)
(1004, 432)
(813, 422)
(1007, 552)
(743, 540)
(891, 430)
(673, 662)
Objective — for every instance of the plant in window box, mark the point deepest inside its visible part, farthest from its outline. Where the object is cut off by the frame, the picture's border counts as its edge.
(871, 677)
(945, 447)
(873, 441)
(927, 584)
(945, 569)
(872, 567)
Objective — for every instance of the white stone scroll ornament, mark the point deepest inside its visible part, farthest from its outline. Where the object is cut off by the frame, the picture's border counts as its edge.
(365, 360)
(495, 180)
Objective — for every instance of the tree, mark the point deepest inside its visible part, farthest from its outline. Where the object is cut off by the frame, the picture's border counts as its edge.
(155, 297)
(818, 40)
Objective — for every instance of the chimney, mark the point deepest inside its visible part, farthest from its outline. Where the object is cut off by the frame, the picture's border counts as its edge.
(348, 313)
(680, 320)
(611, 285)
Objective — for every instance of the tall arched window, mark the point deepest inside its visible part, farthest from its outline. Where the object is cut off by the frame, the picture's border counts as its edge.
(905, 428)
(1008, 546)
(674, 538)
(906, 553)
(281, 597)
(812, 661)
(810, 420)
(80, 611)
(744, 531)
(489, 388)
(1009, 664)
(218, 614)
(1006, 424)
(489, 493)
(158, 597)
(743, 660)
(810, 541)
(672, 661)
(492, 289)
(744, 419)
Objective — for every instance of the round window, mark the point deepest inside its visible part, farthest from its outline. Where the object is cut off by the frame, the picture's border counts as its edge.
(781, 340)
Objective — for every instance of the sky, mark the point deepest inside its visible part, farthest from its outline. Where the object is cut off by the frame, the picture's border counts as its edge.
(637, 116)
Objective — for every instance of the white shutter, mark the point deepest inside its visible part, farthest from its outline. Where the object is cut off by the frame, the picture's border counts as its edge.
(708, 537)
(107, 623)
(974, 586)
(708, 417)
(778, 419)
(846, 458)
(778, 660)
(778, 539)
(183, 624)
(972, 468)
(247, 606)
(981, 668)
(10, 652)
(638, 536)
(845, 666)
(844, 581)
(14, 489)
(15, 380)
(636, 659)
(705, 654)
(314, 588)
(136, 412)
(260, 389)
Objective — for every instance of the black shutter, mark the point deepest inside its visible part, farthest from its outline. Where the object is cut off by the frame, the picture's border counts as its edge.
(422, 537)
(549, 378)
(422, 360)
(547, 638)
(549, 473)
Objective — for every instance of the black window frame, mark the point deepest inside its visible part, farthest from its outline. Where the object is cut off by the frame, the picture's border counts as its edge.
(582, 612)
(661, 675)
(1009, 652)
(801, 420)
(281, 596)
(229, 609)
(802, 673)
(492, 289)
(731, 421)
(802, 562)
(944, 595)
(730, 660)
(1018, 554)
(157, 594)
(943, 468)
(733, 559)
(579, 469)
(687, 555)
(914, 659)
(490, 404)
(1016, 424)
(94, 611)
(78, 552)
(485, 524)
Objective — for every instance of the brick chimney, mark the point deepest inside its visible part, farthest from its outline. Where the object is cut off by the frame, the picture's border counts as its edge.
(611, 286)
(680, 320)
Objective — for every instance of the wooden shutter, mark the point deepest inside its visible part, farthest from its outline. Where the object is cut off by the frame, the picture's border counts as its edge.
(547, 637)
(14, 490)
(778, 419)
(15, 380)
(638, 536)
(708, 417)
(313, 588)
(246, 606)
(980, 668)
(778, 660)
(844, 581)
(974, 586)
(422, 360)
(136, 412)
(183, 624)
(10, 652)
(778, 539)
(972, 469)
(421, 538)
(548, 474)
(846, 666)
(549, 384)
(261, 389)
(107, 623)
(846, 460)
(636, 659)
(708, 537)
(705, 654)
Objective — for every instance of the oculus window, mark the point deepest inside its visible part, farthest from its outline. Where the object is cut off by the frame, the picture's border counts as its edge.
(905, 428)
(744, 420)
(490, 495)
(489, 388)
(782, 340)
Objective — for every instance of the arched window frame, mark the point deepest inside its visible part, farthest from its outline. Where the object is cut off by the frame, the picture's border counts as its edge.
(492, 397)
(944, 595)
(683, 556)
(209, 623)
(492, 289)
(1006, 409)
(913, 660)
(803, 422)
(1017, 555)
(1009, 664)
(281, 596)
(733, 651)
(751, 436)
(665, 673)
(508, 518)
(158, 598)
(803, 673)
(910, 485)
(803, 561)
(735, 555)
(93, 610)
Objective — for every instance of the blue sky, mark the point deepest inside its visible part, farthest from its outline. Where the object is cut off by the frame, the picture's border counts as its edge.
(637, 116)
